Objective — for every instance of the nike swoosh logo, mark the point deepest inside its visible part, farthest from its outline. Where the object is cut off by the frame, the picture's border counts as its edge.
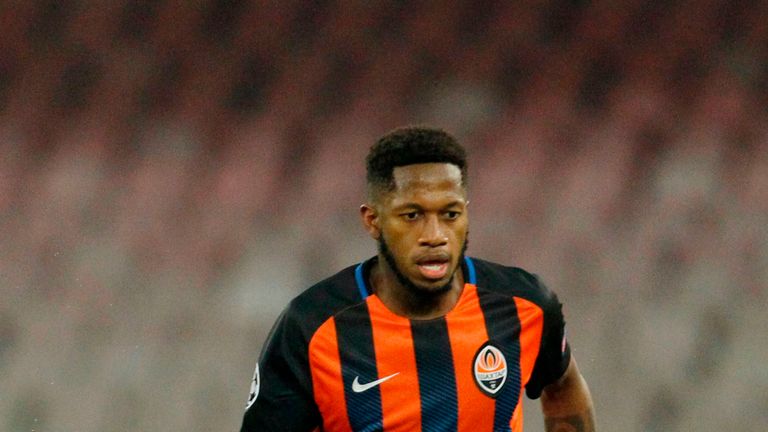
(359, 388)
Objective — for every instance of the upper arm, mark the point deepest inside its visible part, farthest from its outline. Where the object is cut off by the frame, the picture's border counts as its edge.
(283, 399)
(554, 354)
(567, 396)
(570, 376)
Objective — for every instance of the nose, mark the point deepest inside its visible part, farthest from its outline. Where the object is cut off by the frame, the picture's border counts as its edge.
(433, 234)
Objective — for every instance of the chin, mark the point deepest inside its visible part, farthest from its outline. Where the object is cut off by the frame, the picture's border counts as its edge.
(435, 287)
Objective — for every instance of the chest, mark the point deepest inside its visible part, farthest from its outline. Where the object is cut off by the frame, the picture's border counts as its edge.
(378, 372)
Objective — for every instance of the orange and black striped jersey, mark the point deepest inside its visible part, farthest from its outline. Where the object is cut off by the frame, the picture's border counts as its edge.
(339, 360)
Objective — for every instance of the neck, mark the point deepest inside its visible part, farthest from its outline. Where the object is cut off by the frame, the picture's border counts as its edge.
(407, 301)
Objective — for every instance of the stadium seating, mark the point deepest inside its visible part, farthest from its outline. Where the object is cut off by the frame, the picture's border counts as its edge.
(172, 173)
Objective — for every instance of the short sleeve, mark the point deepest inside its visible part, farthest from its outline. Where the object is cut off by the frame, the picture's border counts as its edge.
(281, 391)
(554, 351)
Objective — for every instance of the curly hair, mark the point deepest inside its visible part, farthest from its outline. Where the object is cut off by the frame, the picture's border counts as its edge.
(408, 146)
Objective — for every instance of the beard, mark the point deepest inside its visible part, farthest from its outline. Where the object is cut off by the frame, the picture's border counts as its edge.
(416, 292)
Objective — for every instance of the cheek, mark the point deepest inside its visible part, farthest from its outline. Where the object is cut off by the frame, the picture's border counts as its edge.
(399, 240)
(460, 230)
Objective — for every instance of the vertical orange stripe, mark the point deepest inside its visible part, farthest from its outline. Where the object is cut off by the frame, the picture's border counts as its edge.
(328, 384)
(531, 325)
(467, 332)
(517, 418)
(393, 343)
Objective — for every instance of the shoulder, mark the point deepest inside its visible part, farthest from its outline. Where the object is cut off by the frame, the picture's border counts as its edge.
(512, 281)
(310, 309)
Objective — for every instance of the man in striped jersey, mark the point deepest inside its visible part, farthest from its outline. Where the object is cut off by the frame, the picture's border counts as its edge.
(420, 337)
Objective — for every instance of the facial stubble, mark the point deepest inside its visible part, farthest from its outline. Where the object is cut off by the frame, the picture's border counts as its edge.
(417, 293)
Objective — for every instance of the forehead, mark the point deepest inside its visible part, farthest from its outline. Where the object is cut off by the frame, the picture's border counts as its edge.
(427, 178)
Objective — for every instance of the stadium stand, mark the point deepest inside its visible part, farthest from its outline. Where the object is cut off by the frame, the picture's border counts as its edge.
(172, 173)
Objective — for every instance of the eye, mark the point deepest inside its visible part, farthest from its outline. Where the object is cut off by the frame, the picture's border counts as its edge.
(452, 215)
(410, 216)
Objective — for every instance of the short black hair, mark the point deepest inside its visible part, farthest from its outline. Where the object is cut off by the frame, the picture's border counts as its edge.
(408, 146)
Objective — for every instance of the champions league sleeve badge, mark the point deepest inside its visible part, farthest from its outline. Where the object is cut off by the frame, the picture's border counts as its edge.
(489, 369)
(254, 388)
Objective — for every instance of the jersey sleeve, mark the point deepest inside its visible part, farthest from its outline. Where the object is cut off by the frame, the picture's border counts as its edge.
(554, 351)
(281, 392)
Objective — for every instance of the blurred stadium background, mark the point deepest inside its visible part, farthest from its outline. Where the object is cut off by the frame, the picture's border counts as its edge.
(173, 172)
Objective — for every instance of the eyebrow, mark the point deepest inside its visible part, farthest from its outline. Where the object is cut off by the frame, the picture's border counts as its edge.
(415, 206)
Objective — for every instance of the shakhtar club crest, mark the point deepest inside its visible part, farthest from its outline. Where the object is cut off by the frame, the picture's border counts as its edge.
(490, 369)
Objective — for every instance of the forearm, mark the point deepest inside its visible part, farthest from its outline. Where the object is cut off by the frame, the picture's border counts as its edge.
(567, 404)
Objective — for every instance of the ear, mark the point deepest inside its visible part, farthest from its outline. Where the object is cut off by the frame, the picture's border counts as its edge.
(370, 220)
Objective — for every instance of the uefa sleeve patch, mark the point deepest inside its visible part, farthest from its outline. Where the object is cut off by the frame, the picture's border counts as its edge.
(254, 388)
(490, 369)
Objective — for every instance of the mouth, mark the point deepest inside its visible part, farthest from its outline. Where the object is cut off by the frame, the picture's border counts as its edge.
(433, 268)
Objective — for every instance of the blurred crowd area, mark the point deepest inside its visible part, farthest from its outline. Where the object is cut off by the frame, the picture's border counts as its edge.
(173, 172)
